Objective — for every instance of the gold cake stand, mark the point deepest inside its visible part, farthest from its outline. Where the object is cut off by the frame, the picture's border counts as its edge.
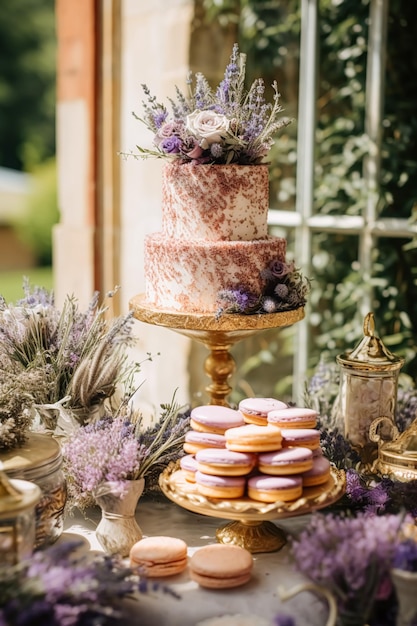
(251, 527)
(217, 334)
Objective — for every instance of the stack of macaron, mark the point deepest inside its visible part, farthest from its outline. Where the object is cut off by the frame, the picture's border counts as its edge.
(265, 450)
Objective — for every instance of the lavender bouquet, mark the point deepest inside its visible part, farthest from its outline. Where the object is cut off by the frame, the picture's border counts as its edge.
(221, 126)
(68, 362)
(352, 557)
(117, 448)
(61, 586)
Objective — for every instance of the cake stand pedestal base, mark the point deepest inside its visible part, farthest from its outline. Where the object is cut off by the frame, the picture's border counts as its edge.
(255, 536)
(217, 334)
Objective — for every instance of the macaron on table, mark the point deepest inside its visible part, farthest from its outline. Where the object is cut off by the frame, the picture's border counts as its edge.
(257, 477)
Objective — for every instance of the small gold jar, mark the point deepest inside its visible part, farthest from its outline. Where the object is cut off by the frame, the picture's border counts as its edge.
(18, 500)
(368, 386)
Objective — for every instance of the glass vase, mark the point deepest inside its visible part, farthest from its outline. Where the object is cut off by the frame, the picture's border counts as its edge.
(118, 530)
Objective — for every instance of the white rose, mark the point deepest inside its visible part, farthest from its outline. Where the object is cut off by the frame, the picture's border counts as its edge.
(209, 127)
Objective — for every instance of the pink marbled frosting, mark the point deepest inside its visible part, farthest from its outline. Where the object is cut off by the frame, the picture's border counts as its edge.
(187, 275)
(215, 203)
(214, 236)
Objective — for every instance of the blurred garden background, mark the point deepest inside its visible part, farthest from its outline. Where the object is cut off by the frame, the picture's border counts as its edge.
(28, 189)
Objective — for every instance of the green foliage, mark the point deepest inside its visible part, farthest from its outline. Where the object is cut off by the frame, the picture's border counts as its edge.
(27, 82)
(35, 228)
(269, 34)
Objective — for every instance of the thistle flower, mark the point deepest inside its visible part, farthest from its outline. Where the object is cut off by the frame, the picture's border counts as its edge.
(285, 289)
(241, 127)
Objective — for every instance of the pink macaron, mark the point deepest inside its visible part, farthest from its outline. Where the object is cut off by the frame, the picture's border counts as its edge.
(215, 419)
(318, 474)
(275, 488)
(195, 441)
(293, 417)
(188, 464)
(225, 462)
(255, 410)
(286, 461)
(304, 437)
(220, 486)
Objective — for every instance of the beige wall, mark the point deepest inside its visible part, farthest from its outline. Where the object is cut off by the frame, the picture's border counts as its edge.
(109, 204)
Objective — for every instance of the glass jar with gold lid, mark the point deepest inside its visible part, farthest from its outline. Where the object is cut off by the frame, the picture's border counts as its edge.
(18, 500)
(368, 385)
(39, 460)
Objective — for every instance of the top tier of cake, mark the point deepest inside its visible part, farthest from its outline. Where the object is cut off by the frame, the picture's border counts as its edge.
(215, 203)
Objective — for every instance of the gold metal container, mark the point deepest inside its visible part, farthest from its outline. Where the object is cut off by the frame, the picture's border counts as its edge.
(18, 500)
(39, 460)
(368, 386)
(397, 457)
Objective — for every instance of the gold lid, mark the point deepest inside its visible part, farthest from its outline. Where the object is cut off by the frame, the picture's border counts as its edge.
(38, 450)
(17, 495)
(370, 354)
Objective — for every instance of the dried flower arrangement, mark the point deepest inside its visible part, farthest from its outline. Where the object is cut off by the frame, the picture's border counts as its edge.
(227, 125)
(61, 586)
(352, 557)
(285, 289)
(118, 448)
(80, 357)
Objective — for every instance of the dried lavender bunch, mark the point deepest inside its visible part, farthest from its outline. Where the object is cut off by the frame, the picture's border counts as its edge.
(119, 448)
(80, 354)
(16, 414)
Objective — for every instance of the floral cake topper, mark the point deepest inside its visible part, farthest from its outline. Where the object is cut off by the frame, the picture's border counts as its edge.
(224, 126)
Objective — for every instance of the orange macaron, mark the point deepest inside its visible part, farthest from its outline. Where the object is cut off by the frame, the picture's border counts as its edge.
(253, 438)
(159, 556)
(221, 566)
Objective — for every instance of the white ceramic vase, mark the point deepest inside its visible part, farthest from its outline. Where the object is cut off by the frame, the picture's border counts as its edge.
(405, 584)
(118, 529)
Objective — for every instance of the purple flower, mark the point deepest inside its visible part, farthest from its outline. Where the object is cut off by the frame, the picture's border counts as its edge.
(348, 555)
(405, 556)
(171, 145)
(60, 586)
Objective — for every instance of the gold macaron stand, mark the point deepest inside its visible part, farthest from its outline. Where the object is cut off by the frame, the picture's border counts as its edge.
(251, 526)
